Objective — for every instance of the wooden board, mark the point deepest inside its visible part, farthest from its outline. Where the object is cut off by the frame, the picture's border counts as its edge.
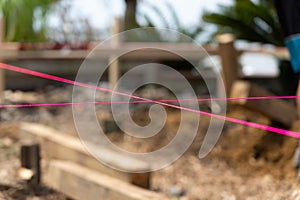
(58, 145)
(276, 109)
(138, 51)
(82, 183)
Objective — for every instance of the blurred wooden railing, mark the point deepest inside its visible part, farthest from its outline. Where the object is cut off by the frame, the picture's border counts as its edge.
(144, 52)
(137, 52)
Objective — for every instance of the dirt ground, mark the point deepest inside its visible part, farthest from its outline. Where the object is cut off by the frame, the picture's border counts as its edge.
(245, 164)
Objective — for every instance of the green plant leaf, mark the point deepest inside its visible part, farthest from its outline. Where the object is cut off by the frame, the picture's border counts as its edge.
(248, 20)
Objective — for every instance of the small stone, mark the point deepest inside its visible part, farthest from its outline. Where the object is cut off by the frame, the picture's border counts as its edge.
(7, 142)
(267, 179)
(176, 191)
(25, 174)
(227, 196)
(111, 126)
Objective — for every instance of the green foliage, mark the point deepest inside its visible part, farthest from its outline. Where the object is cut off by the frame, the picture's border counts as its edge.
(248, 20)
(25, 20)
(173, 24)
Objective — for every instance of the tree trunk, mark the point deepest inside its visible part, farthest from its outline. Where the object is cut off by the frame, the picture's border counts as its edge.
(130, 15)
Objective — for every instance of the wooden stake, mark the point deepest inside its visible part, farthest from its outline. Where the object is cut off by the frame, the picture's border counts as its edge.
(141, 179)
(2, 77)
(114, 68)
(30, 159)
(228, 55)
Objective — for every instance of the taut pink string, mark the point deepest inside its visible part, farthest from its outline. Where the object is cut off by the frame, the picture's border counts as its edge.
(63, 80)
(142, 102)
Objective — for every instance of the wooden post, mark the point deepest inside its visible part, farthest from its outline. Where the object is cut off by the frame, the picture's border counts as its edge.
(114, 68)
(30, 159)
(2, 78)
(2, 26)
(141, 179)
(229, 59)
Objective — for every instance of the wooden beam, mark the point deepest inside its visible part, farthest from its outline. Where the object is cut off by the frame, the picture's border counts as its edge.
(156, 51)
(52, 54)
(58, 145)
(275, 109)
(82, 183)
(229, 59)
(279, 52)
(147, 51)
(138, 52)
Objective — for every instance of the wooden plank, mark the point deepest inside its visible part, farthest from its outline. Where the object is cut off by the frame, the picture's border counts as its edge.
(155, 51)
(280, 52)
(52, 54)
(147, 51)
(276, 109)
(82, 183)
(138, 52)
(58, 145)
(229, 59)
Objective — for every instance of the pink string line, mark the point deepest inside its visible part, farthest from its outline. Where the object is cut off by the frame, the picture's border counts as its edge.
(229, 119)
(61, 104)
(140, 102)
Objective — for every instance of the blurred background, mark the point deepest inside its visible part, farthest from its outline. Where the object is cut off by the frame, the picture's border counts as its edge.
(67, 24)
(92, 20)
(53, 20)
(242, 40)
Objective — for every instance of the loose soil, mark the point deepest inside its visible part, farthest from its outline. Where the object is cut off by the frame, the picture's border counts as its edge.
(246, 163)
